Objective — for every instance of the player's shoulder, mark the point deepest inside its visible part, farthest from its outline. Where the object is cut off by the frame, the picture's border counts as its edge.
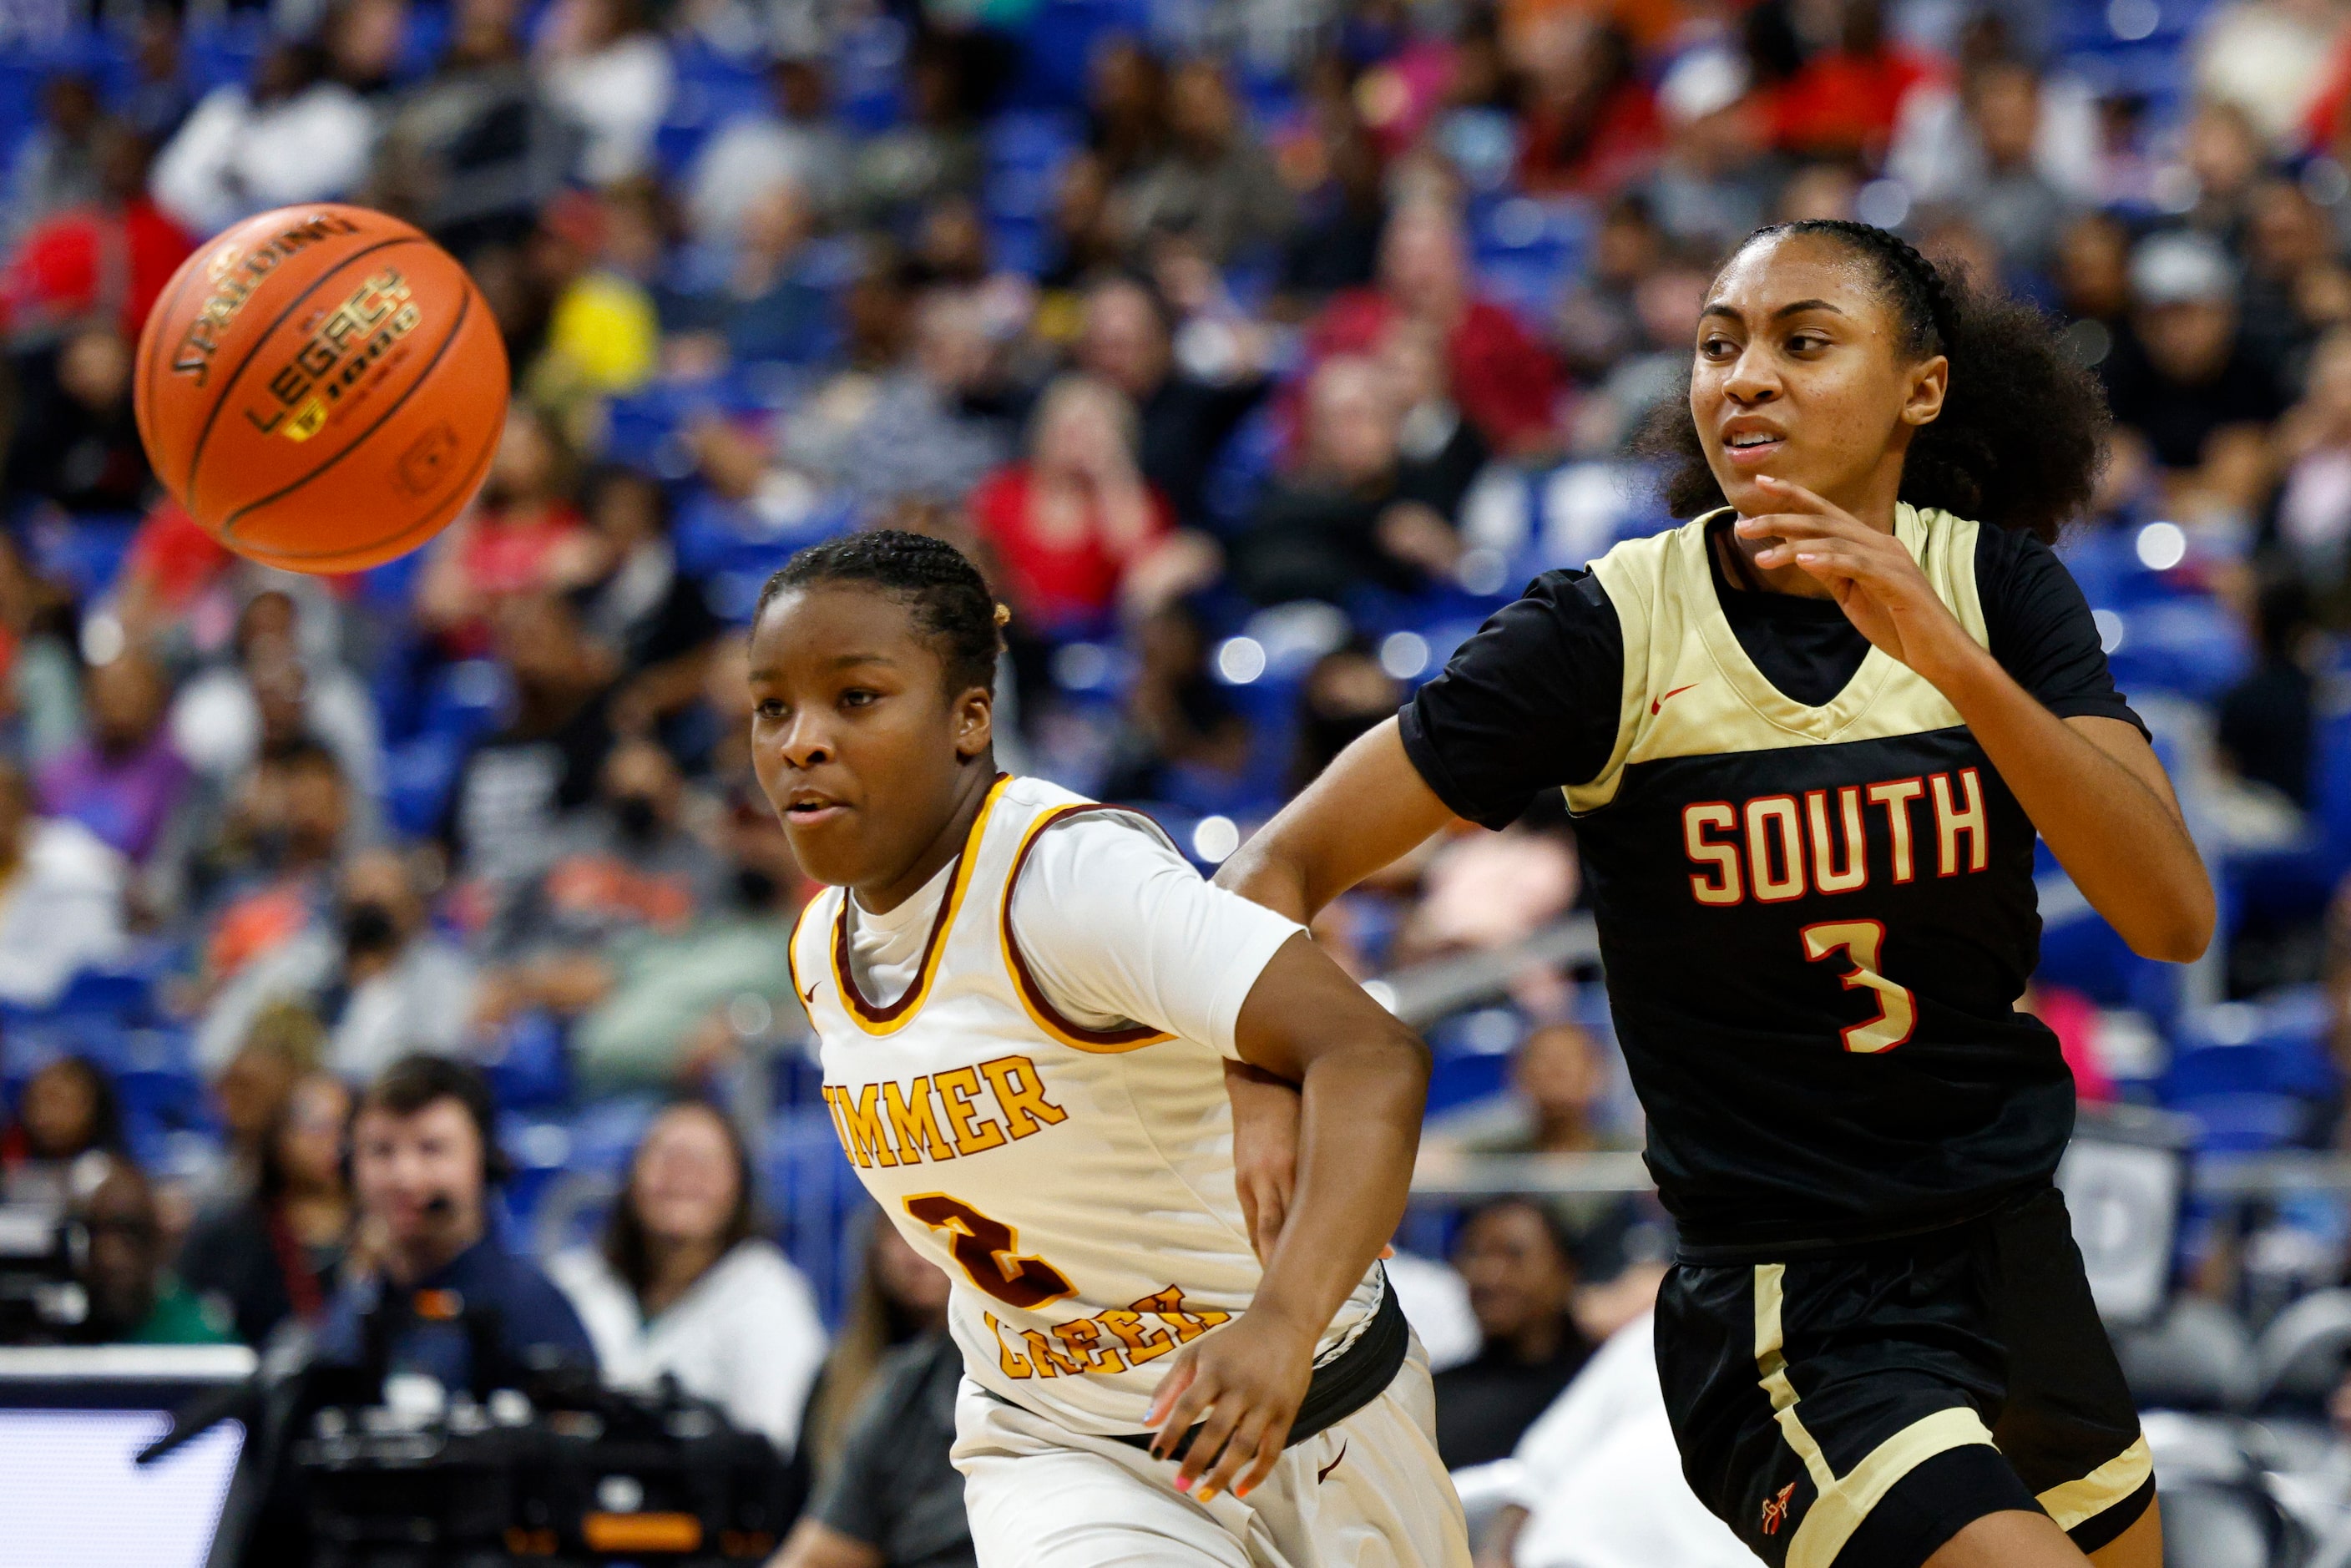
(1065, 830)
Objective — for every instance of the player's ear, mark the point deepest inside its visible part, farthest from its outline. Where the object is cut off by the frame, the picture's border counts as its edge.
(974, 722)
(1929, 381)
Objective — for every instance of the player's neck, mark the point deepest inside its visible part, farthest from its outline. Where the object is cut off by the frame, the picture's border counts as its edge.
(971, 796)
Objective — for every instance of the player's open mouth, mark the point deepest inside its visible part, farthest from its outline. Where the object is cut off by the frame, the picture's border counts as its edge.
(808, 810)
(1748, 448)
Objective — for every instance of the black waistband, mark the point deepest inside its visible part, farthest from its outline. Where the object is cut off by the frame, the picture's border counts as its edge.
(1341, 1386)
(1706, 1252)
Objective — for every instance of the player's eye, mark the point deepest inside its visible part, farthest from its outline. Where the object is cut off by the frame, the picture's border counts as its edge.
(770, 708)
(859, 696)
(1805, 342)
(1717, 348)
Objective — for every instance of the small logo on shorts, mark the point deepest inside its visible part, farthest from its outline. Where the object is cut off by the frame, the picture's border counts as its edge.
(1775, 1509)
(1324, 1473)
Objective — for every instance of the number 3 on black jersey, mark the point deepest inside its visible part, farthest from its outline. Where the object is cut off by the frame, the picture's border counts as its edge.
(988, 1250)
(1859, 940)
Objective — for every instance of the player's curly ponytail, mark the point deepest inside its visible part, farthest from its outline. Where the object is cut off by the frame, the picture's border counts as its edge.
(2022, 429)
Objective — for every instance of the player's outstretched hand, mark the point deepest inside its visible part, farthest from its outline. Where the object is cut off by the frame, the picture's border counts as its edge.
(1873, 578)
(1242, 1384)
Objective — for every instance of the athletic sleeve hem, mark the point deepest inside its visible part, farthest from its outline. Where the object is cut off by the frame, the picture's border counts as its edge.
(1422, 751)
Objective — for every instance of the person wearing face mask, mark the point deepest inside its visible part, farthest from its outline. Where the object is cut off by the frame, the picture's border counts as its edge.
(682, 1283)
(677, 1007)
(627, 867)
(377, 977)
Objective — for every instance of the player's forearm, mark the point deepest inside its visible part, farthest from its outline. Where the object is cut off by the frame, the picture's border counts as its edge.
(1369, 808)
(2118, 835)
(1360, 1130)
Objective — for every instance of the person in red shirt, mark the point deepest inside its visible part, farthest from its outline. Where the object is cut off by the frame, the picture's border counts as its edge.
(110, 258)
(1503, 379)
(1591, 122)
(1068, 523)
(524, 537)
(1844, 102)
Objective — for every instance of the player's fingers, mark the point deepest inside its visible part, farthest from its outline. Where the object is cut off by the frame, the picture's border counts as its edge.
(1209, 1445)
(1197, 1403)
(1794, 496)
(1240, 1453)
(1271, 1443)
(1171, 1385)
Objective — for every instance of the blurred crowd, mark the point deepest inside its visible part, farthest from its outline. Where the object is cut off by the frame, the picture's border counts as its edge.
(1257, 351)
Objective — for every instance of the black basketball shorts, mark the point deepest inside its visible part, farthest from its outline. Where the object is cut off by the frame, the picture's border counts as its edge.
(1857, 1409)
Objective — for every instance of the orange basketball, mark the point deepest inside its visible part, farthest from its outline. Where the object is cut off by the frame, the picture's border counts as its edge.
(322, 387)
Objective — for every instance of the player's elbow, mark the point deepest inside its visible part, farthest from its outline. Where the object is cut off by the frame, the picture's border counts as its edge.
(2177, 931)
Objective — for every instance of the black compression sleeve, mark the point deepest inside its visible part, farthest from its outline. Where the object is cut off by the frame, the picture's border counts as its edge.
(1528, 703)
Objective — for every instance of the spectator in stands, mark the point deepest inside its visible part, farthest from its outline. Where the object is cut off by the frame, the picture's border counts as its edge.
(1336, 245)
(927, 432)
(1176, 715)
(768, 309)
(2295, 285)
(297, 135)
(76, 444)
(1350, 515)
(601, 64)
(217, 717)
(56, 163)
(1845, 101)
(1598, 321)
(668, 1014)
(2185, 386)
(1560, 1087)
(523, 536)
(640, 602)
(159, 98)
(2007, 196)
(1590, 122)
(1185, 420)
(380, 980)
(423, 1159)
(515, 783)
(2225, 157)
(1439, 453)
(1345, 692)
(262, 869)
(106, 259)
(134, 1299)
(2265, 727)
(277, 1253)
(474, 152)
(124, 780)
(68, 1134)
(1126, 107)
(2092, 276)
(1712, 184)
(684, 1285)
(62, 898)
(2266, 59)
(1652, 370)
(1065, 527)
(1213, 180)
(625, 867)
(796, 142)
(886, 1495)
(1522, 1278)
(1503, 379)
(935, 151)
(1598, 1477)
(2314, 439)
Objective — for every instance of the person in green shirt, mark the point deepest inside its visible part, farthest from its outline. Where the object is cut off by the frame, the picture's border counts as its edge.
(133, 1298)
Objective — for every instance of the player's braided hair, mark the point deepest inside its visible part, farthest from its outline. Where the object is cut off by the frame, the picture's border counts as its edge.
(2022, 428)
(949, 599)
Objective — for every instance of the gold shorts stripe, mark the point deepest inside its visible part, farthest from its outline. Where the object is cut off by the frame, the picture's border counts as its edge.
(1840, 1503)
(2076, 1502)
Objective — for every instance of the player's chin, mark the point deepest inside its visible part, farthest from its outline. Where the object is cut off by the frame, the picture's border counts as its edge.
(829, 846)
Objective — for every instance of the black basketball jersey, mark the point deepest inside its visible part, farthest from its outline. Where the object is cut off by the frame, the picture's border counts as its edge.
(1815, 917)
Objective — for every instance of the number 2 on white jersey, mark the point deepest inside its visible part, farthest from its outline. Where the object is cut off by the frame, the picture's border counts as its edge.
(988, 1250)
(1859, 940)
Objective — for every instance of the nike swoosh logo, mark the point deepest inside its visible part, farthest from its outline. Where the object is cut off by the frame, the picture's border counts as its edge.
(1324, 1473)
(808, 999)
(1656, 703)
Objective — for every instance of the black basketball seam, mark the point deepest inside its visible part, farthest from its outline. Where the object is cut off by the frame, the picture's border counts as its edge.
(465, 308)
(196, 458)
(155, 350)
(463, 494)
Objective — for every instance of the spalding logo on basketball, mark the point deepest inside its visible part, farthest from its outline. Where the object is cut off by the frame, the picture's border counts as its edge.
(322, 387)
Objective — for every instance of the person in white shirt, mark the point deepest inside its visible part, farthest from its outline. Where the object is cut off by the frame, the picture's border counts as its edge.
(1596, 1482)
(1025, 1003)
(61, 891)
(682, 1282)
(297, 136)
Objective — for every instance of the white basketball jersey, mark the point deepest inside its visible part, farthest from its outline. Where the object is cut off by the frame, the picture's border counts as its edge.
(1076, 1185)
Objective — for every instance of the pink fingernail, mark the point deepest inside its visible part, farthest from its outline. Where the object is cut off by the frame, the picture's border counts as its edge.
(1183, 1483)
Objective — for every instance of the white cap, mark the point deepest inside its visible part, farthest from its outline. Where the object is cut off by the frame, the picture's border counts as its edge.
(2181, 268)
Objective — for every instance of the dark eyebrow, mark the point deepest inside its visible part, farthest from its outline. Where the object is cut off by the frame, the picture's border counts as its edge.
(841, 662)
(1797, 307)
